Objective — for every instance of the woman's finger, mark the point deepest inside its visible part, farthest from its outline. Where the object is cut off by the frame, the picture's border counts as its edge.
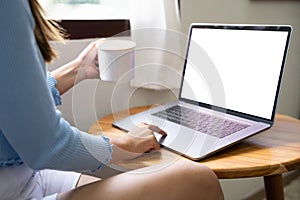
(156, 146)
(153, 128)
(156, 129)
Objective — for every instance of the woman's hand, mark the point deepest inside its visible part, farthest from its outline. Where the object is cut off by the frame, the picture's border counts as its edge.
(85, 66)
(136, 142)
(88, 62)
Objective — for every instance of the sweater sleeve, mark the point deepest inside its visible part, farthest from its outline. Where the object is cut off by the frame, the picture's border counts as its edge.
(52, 86)
(28, 117)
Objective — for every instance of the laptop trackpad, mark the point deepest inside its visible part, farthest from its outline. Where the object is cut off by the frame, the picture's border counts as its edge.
(187, 142)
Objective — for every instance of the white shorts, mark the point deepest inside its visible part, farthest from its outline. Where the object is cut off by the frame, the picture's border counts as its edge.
(22, 183)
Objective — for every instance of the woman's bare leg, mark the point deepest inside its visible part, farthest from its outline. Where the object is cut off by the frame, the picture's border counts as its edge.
(181, 180)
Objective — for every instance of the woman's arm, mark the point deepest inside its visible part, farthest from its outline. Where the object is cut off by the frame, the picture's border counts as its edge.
(65, 76)
(29, 120)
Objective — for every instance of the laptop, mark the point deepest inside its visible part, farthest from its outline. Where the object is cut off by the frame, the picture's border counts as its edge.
(229, 89)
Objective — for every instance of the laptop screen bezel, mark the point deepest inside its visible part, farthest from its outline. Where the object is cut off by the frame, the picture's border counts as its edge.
(286, 28)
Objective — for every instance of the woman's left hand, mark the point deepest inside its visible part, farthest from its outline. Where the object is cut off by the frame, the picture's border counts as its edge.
(88, 62)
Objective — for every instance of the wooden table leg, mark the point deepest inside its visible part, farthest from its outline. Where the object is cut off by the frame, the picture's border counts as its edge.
(274, 187)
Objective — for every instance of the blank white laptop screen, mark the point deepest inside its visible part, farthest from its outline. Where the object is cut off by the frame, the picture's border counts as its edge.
(247, 62)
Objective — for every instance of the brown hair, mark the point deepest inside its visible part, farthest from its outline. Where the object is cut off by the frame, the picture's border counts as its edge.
(45, 31)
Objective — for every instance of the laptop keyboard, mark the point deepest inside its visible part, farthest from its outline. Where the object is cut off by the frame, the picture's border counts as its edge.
(203, 122)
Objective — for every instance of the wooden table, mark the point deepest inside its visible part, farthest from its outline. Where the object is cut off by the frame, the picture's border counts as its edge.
(268, 154)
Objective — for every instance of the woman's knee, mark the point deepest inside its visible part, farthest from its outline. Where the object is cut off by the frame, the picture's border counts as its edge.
(201, 179)
(194, 168)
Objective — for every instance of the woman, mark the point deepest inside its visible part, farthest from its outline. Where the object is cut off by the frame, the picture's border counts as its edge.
(40, 153)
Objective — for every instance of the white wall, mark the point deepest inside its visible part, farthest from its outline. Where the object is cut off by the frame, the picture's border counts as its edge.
(262, 12)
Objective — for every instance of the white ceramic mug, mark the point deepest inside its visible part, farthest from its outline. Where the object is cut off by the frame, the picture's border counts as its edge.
(116, 60)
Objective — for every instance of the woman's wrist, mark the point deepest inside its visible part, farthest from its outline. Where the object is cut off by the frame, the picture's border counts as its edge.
(67, 76)
(78, 71)
(120, 150)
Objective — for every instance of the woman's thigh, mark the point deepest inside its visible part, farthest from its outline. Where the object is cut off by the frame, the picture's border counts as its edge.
(178, 180)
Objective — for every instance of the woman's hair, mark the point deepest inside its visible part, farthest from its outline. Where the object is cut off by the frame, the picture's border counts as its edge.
(45, 31)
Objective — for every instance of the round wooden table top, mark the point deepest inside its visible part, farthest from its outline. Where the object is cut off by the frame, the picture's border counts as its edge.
(271, 152)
